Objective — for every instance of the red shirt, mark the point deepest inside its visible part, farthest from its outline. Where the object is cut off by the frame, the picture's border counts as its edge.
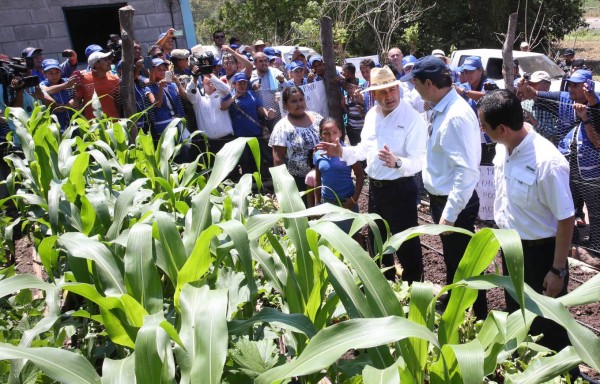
(107, 90)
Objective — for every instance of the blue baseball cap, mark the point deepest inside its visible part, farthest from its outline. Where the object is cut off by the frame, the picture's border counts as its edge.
(269, 51)
(234, 46)
(428, 67)
(240, 76)
(314, 58)
(49, 64)
(580, 76)
(295, 65)
(91, 49)
(472, 63)
(408, 60)
(158, 61)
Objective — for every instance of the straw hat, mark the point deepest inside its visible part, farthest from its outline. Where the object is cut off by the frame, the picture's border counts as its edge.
(382, 78)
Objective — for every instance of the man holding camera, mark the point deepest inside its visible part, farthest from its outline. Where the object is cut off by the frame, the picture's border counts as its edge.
(35, 57)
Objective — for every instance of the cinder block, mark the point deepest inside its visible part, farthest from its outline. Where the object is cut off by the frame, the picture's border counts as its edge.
(14, 48)
(7, 34)
(58, 29)
(25, 4)
(160, 21)
(47, 15)
(144, 7)
(54, 45)
(139, 22)
(15, 17)
(31, 31)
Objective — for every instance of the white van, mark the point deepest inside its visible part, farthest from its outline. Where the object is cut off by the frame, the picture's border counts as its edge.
(529, 62)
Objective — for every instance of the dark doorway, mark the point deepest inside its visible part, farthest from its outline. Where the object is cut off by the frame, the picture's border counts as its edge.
(92, 25)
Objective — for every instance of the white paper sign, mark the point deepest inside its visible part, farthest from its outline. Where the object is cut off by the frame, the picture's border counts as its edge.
(486, 192)
(316, 99)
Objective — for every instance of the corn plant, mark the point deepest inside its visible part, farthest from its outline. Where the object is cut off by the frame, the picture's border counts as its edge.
(172, 276)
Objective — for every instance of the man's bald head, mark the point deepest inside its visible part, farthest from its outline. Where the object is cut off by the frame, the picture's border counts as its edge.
(395, 58)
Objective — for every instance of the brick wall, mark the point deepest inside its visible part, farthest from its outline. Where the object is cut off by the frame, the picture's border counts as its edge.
(41, 23)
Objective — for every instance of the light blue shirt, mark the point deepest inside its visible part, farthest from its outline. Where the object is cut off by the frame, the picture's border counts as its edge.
(453, 153)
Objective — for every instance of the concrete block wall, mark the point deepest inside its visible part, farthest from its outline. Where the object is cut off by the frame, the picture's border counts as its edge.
(41, 23)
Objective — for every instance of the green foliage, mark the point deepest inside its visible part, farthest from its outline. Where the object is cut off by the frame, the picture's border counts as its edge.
(170, 275)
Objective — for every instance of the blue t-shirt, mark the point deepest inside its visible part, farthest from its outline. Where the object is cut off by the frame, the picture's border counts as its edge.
(61, 97)
(244, 126)
(141, 100)
(336, 176)
(170, 109)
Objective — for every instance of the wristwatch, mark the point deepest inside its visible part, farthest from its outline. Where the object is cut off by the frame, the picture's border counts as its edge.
(559, 272)
(398, 162)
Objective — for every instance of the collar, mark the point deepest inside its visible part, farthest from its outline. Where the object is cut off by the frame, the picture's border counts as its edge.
(446, 100)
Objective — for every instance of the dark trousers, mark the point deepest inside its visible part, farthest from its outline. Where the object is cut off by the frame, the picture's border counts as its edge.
(353, 135)
(538, 259)
(455, 244)
(394, 201)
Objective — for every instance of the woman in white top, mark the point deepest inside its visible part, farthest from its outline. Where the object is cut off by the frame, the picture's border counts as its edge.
(295, 136)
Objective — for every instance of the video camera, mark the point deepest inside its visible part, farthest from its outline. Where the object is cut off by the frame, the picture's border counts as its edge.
(205, 62)
(16, 67)
(114, 45)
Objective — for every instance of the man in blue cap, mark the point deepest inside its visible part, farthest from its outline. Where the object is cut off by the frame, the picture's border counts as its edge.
(245, 107)
(452, 163)
(60, 89)
(317, 68)
(66, 68)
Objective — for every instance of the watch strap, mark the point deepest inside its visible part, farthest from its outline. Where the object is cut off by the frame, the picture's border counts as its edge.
(559, 272)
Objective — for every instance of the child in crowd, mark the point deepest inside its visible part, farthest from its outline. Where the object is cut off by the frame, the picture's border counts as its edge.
(61, 91)
(335, 176)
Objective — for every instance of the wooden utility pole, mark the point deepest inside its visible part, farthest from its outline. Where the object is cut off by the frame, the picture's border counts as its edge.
(127, 87)
(334, 94)
(507, 53)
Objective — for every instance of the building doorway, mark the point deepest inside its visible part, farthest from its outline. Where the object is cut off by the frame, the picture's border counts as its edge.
(92, 25)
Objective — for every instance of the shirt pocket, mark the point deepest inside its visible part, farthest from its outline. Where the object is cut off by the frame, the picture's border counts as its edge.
(521, 190)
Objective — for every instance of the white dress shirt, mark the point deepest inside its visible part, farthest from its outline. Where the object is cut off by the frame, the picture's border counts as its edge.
(453, 154)
(532, 188)
(209, 117)
(402, 130)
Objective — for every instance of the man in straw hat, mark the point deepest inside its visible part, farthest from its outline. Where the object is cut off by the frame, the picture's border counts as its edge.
(393, 144)
(453, 155)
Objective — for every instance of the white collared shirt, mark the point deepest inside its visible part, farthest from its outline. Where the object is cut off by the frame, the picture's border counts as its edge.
(402, 130)
(453, 154)
(532, 188)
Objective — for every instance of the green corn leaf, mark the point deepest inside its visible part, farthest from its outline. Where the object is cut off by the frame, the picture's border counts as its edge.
(77, 175)
(204, 332)
(109, 267)
(199, 261)
(58, 364)
(583, 340)
(198, 218)
(103, 162)
(141, 277)
(237, 232)
(389, 375)
(586, 293)
(49, 255)
(458, 364)
(271, 266)
(295, 322)
(290, 201)
(18, 282)
(546, 368)
(329, 344)
(122, 207)
(421, 297)
(119, 371)
(154, 355)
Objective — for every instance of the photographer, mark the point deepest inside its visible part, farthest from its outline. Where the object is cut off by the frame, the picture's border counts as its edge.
(35, 58)
(166, 42)
(169, 94)
(214, 122)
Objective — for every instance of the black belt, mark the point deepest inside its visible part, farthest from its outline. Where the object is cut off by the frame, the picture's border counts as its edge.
(537, 242)
(388, 183)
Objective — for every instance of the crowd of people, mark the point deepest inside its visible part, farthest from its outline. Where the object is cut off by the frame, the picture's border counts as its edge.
(412, 120)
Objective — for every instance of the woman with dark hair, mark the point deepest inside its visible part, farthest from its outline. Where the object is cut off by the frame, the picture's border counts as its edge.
(295, 136)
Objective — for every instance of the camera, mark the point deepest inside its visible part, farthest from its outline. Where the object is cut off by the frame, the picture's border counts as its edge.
(16, 67)
(490, 87)
(526, 76)
(114, 45)
(205, 62)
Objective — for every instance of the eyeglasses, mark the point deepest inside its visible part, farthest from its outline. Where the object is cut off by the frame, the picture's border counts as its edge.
(219, 36)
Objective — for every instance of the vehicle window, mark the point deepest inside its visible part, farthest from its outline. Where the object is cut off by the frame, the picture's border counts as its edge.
(531, 64)
(494, 68)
